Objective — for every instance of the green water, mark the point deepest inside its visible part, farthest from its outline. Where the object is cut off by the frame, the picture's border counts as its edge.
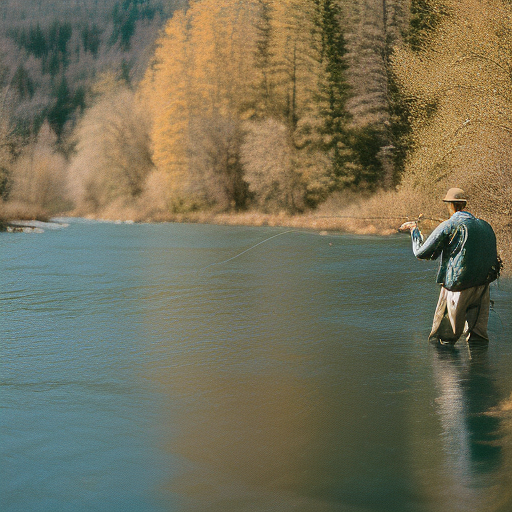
(137, 376)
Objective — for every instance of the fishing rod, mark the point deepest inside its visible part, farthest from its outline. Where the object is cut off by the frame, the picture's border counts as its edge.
(420, 217)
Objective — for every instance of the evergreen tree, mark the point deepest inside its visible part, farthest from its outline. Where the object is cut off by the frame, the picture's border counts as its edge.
(335, 85)
(426, 15)
(62, 108)
(373, 29)
(91, 38)
(66, 103)
(262, 95)
(22, 83)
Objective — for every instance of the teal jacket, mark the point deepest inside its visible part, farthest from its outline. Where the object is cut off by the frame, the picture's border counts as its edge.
(467, 247)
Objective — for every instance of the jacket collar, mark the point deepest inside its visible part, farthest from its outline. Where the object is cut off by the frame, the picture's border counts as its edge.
(462, 215)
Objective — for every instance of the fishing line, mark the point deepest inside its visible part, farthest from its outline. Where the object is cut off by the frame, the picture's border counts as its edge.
(317, 234)
(248, 249)
(266, 240)
(491, 308)
(196, 273)
(419, 218)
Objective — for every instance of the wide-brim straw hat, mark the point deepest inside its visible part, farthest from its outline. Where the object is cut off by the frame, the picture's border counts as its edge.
(455, 195)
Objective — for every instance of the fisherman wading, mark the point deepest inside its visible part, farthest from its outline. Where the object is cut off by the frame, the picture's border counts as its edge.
(469, 262)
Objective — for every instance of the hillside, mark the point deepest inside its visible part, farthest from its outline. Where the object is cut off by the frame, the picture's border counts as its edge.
(51, 51)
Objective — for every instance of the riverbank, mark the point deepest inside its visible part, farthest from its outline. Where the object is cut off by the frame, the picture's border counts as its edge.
(349, 224)
(322, 219)
(380, 214)
(11, 212)
(376, 214)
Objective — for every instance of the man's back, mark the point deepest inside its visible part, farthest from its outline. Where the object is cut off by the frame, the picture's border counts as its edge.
(471, 253)
(468, 249)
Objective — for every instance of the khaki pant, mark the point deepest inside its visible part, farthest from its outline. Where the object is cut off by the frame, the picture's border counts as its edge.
(465, 312)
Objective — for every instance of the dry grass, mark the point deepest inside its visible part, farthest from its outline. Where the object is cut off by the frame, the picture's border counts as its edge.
(314, 220)
(20, 211)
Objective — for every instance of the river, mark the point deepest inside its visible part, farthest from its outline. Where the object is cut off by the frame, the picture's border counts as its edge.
(144, 369)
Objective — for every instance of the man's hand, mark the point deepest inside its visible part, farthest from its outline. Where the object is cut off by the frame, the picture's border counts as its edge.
(407, 226)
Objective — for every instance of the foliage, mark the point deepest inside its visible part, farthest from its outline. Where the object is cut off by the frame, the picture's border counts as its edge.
(460, 103)
(37, 176)
(269, 159)
(9, 142)
(112, 157)
(5, 155)
(457, 84)
(125, 16)
(200, 80)
(426, 15)
(373, 29)
(51, 43)
(276, 104)
(66, 103)
(222, 63)
(215, 158)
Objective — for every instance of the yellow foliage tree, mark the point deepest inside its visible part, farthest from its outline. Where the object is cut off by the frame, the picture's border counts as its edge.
(166, 91)
(222, 65)
(202, 71)
(458, 86)
(296, 61)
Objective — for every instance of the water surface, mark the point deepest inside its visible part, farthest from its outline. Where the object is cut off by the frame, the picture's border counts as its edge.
(138, 374)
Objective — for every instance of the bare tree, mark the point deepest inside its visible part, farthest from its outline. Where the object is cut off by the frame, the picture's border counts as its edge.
(38, 175)
(113, 155)
(216, 168)
(269, 160)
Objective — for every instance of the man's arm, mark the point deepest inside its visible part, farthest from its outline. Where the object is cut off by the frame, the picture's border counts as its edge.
(431, 248)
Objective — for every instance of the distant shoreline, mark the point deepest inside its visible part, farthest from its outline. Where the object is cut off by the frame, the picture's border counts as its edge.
(348, 224)
(380, 226)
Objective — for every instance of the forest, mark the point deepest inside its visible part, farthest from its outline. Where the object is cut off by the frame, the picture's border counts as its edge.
(164, 110)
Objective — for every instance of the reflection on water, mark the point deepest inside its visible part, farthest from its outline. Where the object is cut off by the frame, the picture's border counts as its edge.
(471, 437)
(297, 377)
(249, 448)
(279, 402)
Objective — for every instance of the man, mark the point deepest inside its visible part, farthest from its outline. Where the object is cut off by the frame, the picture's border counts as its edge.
(469, 262)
